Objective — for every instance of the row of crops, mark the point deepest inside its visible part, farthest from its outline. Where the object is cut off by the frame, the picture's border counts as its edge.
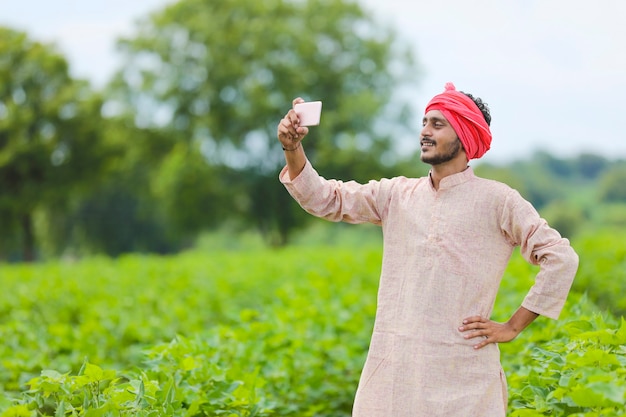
(272, 333)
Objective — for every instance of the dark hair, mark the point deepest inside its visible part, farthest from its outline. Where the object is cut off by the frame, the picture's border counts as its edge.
(482, 106)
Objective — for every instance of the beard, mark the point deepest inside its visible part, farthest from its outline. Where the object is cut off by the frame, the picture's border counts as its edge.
(449, 153)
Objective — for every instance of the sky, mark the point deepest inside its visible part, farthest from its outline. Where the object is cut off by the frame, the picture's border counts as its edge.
(553, 71)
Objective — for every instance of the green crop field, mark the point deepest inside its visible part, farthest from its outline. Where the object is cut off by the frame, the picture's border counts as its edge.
(261, 332)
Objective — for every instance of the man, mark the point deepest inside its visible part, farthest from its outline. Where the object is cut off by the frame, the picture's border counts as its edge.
(447, 240)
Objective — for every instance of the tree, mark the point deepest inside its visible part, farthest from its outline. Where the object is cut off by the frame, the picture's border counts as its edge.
(565, 217)
(504, 174)
(49, 135)
(612, 184)
(555, 166)
(591, 166)
(216, 77)
(184, 181)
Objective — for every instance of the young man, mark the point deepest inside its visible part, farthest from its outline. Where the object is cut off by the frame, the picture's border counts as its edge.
(447, 240)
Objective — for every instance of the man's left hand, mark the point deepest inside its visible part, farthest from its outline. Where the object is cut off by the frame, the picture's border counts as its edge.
(489, 331)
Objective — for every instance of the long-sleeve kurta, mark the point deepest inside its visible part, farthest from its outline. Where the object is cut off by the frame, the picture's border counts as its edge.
(445, 252)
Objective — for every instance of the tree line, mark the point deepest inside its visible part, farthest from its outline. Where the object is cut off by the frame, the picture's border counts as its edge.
(181, 140)
(580, 194)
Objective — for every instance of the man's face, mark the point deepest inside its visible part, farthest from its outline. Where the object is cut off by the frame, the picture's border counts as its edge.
(439, 141)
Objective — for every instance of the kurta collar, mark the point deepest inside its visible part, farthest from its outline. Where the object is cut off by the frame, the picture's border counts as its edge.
(454, 179)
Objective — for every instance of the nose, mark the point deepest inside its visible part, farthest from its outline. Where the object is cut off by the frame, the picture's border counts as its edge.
(425, 132)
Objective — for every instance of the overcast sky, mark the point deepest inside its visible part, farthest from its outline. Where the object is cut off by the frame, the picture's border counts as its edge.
(552, 72)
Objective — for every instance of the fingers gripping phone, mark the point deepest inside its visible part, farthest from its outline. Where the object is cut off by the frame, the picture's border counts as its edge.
(309, 113)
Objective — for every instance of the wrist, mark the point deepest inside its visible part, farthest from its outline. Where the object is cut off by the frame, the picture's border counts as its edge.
(292, 149)
(512, 328)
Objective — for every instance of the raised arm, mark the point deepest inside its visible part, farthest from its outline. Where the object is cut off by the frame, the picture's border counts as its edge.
(290, 135)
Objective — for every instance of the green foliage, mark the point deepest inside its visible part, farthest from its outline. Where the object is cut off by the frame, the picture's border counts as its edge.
(570, 367)
(567, 218)
(186, 181)
(188, 143)
(602, 270)
(244, 316)
(613, 185)
(590, 166)
(119, 214)
(50, 141)
(577, 371)
(253, 332)
(192, 116)
(503, 174)
(576, 195)
(611, 215)
(218, 76)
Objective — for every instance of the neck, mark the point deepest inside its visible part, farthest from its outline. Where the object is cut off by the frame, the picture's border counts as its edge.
(440, 171)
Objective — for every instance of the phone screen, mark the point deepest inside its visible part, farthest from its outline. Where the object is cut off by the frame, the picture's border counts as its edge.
(309, 113)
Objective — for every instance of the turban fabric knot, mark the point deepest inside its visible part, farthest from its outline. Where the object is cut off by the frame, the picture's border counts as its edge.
(466, 119)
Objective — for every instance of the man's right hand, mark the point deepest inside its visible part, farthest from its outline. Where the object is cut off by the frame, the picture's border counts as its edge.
(290, 133)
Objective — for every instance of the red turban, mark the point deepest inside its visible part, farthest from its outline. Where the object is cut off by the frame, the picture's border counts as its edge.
(466, 119)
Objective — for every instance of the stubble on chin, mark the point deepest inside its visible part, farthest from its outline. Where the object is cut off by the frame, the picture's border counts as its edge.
(449, 154)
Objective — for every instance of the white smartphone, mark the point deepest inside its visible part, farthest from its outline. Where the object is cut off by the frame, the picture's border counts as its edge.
(309, 113)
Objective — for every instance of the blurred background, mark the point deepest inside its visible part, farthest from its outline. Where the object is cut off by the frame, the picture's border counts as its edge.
(149, 126)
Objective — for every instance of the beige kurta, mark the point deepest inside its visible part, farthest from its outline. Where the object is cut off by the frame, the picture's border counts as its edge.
(444, 255)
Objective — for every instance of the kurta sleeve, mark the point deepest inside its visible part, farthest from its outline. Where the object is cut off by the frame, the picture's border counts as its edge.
(540, 245)
(335, 200)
